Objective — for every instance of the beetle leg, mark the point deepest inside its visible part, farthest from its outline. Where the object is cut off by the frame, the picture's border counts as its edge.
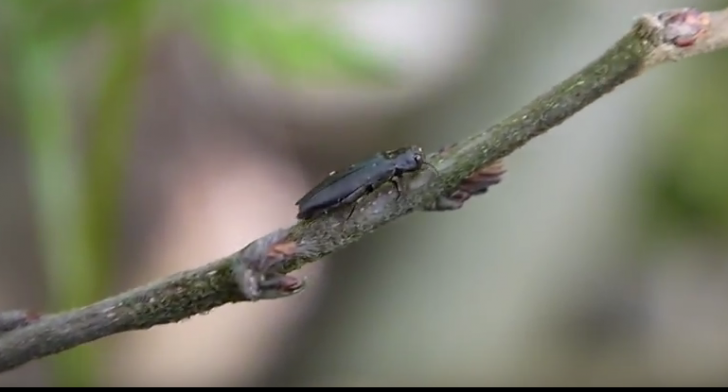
(353, 199)
(397, 187)
(351, 212)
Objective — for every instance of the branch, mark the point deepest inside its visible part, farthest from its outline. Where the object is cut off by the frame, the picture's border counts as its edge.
(465, 169)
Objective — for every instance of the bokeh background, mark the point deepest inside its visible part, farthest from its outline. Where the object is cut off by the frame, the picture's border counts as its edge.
(139, 138)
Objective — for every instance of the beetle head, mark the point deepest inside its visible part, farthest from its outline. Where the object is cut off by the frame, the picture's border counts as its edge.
(410, 159)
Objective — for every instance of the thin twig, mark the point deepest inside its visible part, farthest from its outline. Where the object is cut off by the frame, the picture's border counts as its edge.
(464, 169)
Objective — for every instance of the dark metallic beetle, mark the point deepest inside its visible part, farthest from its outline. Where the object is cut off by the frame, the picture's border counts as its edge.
(348, 186)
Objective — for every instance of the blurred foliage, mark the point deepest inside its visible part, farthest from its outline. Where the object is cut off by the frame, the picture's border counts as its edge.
(282, 45)
(77, 200)
(687, 187)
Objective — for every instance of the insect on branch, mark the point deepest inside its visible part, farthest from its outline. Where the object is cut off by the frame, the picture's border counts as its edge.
(463, 170)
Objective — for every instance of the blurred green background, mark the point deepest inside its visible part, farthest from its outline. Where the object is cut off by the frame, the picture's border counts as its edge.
(142, 137)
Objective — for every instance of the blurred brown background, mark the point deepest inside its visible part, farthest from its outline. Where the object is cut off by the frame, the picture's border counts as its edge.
(143, 137)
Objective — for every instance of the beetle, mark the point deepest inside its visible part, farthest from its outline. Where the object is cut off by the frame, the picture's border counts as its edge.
(348, 186)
